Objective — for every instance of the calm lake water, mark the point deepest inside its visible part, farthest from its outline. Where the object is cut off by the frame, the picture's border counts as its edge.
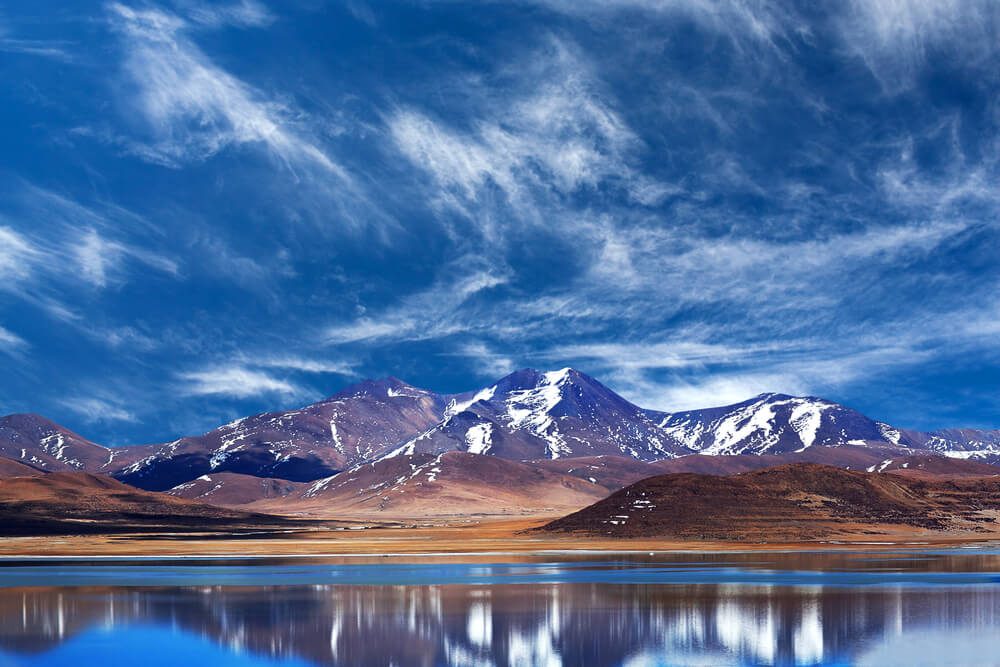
(932, 608)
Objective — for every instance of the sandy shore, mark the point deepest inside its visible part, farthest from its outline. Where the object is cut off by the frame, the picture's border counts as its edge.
(467, 536)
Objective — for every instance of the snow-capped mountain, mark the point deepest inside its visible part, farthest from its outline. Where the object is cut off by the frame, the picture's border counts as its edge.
(42, 444)
(357, 424)
(526, 416)
(960, 443)
(771, 424)
(535, 415)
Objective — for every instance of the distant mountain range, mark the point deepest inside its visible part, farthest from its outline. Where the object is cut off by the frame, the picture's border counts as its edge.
(526, 418)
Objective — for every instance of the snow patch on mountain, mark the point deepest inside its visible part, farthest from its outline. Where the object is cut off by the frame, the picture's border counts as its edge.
(805, 419)
(478, 438)
(455, 407)
(529, 409)
(755, 426)
(888, 432)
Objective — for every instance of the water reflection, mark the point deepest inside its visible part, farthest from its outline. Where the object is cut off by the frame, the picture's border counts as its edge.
(540, 624)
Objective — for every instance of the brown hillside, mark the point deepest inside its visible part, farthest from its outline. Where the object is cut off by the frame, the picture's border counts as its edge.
(12, 468)
(786, 503)
(453, 483)
(232, 489)
(76, 502)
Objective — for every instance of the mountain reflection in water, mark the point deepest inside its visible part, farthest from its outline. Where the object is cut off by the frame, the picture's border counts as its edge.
(575, 623)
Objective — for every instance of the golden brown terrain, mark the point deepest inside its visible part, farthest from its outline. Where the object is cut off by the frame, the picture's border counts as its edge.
(470, 537)
(793, 507)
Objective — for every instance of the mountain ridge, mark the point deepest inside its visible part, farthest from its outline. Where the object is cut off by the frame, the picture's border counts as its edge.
(526, 415)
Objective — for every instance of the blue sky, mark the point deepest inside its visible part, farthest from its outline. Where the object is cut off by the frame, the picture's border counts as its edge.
(212, 209)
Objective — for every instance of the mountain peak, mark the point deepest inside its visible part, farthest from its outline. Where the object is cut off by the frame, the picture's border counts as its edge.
(770, 397)
(525, 378)
(22, 419)
(387, 386)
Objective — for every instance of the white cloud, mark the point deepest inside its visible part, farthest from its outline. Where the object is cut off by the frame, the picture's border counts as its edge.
(653, 356)
(243, 14)
(745, 22)
(713, 391)
(486, 361)
(10, 341)
(50, 244)
(17, 256)
(97, 257)
(896, 38)
(431, 313)
(193, 107)
(554, 132)
(32, 47)
(305, 365)
(98, 410)
(93, 255)
(392, 325)
(800, 367)
(234, 382)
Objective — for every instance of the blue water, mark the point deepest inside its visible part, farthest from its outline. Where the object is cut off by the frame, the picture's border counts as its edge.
(934, 608)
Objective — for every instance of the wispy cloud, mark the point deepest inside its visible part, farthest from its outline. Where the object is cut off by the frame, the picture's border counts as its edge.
(96, 257)
(306, 364)
(93, 409)
(17, 255)
(431, 313)
(234, 382)
(242, 14)
(558, 135)
(484, 360)
(50, 243)
(56, 50)
(895, 39)
(10, 342)
(745, 22)
(194, 108)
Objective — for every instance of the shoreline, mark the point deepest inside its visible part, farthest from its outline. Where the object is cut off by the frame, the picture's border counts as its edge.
(477, 539)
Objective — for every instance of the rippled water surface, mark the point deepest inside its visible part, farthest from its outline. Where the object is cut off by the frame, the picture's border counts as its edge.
(934, 608)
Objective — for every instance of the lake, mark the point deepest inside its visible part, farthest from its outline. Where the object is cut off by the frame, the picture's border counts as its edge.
(912, 608)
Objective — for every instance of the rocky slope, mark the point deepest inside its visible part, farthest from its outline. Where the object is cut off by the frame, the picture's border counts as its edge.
(357, 424)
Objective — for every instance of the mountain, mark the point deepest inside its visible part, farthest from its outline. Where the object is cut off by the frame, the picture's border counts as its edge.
(231, 489)
(534, 415)
(787, 504)
(779, 423)
(772, 424)
(450, 483)
(962, 443)
(527, 416)
(40, 443)
(357, 424)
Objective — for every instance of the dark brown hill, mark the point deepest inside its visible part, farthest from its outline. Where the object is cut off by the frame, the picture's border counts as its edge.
(77, 503)
(786, 503)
